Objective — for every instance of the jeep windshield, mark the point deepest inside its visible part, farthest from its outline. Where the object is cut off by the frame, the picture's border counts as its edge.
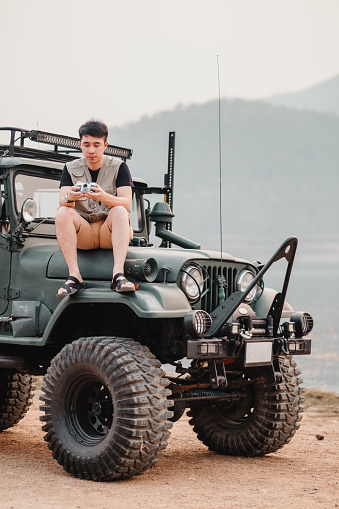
(44, 191)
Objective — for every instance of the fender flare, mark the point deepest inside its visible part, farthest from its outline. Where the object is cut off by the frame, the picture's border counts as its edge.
(152, 300)
(262, 306)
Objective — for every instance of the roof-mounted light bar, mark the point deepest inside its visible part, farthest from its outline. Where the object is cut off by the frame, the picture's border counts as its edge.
(73, 143)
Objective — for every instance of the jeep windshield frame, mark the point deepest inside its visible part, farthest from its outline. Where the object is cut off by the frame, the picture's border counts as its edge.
(41, 194)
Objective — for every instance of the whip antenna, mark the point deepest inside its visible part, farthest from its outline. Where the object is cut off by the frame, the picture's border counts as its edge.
(221, 294)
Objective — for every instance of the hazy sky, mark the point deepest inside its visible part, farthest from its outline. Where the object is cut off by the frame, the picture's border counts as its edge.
(63, 62)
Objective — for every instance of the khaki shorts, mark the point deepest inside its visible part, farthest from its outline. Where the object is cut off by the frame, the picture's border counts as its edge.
(94, 235)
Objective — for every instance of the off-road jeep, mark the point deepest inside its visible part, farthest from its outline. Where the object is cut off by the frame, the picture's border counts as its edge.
(108, 406)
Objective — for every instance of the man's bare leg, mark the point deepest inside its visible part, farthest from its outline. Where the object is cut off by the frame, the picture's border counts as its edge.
(119, 225)
(67, 223)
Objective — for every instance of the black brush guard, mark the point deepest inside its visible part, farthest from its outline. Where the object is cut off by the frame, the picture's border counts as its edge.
(223, 312)
(215, 347)
(221, 342)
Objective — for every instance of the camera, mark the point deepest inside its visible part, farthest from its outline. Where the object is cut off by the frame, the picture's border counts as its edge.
(85, 187)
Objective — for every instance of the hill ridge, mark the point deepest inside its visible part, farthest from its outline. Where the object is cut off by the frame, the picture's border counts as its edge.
(322, 97)
(279, 165)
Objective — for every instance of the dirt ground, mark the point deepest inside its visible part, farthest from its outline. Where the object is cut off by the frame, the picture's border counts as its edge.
(304, 474)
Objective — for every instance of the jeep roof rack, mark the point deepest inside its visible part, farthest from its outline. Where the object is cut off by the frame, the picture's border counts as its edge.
(55, 140)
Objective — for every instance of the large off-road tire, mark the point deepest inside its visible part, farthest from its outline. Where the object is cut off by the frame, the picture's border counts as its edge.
(106, 409)
(16, 394)
(260, 423)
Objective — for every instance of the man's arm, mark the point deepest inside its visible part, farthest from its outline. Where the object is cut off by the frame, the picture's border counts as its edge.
(66, 187)
(72, 196)
(125, 193)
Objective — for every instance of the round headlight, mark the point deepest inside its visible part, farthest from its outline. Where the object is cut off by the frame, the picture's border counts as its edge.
(192, 281)
(245, 278)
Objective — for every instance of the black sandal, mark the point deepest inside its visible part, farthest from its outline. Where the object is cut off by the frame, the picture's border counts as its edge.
(71, 288)
(117, 283)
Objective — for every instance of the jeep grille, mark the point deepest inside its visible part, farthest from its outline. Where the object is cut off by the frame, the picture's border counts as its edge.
(210, 299)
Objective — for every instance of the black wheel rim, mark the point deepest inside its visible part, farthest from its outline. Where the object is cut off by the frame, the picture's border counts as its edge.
(238, 413)
(89, 409)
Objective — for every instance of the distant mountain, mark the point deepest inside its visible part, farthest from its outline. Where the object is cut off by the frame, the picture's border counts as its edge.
(280, 168)
(323, 97)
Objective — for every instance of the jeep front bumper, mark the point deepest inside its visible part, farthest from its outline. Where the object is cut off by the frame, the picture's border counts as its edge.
(256, 351)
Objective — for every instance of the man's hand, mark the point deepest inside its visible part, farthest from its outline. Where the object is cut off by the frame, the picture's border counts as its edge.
(74, 193)
(97, 194)
(122, 198)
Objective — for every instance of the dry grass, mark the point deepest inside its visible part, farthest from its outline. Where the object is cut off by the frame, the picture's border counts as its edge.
(314, 397)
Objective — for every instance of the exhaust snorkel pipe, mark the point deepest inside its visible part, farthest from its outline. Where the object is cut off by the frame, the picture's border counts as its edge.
(162, 215)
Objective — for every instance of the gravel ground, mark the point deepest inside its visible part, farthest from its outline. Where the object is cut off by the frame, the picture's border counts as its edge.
(304, 474)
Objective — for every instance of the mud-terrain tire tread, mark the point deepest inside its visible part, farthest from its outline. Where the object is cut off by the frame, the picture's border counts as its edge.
(275, 419)
(140, 428)
(16, 394)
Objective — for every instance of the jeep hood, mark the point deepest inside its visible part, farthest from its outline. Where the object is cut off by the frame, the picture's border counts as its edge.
(97, 264)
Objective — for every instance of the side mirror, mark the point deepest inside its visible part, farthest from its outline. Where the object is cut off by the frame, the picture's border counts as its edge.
(28, 211)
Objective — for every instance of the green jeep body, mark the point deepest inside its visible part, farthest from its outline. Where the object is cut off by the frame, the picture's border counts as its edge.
(107, 404)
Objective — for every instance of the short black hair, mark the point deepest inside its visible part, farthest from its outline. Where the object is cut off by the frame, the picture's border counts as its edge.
(94, 128)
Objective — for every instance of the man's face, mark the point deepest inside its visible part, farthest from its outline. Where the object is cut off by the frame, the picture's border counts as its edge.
(93, 150)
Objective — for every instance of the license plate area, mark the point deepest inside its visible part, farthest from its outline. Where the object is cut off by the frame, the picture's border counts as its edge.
(258, 353)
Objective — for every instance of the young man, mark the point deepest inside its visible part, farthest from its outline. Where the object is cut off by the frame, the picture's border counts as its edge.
(97, 219)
